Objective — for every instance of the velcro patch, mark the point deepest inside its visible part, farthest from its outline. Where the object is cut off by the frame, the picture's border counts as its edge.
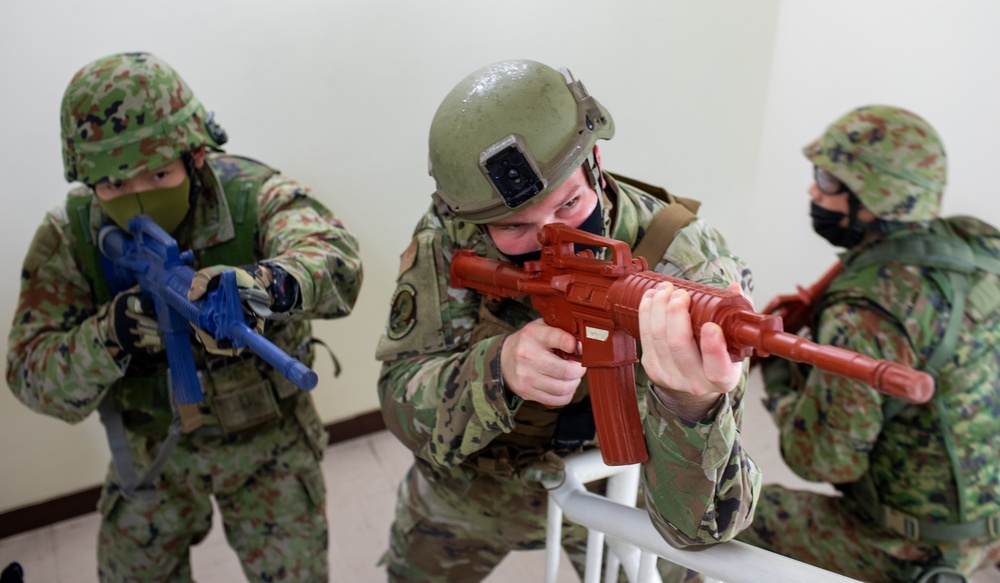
(408, 258)
(43, 246)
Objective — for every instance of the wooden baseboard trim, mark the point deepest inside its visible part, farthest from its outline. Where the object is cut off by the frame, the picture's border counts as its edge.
(49, 512)
(85, 501)
(356, 426)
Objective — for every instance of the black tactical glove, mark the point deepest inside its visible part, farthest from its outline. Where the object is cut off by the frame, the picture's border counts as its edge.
(263, 298)
(128, 324)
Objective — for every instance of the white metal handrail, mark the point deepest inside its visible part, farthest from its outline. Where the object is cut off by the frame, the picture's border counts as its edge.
(634, 543)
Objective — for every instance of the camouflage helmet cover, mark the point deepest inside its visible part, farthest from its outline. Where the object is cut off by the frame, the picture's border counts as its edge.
(128, 112)
(892, 159)
(507, 135)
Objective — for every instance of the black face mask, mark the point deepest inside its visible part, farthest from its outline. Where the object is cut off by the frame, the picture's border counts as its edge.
(826, 223)
(594, 224)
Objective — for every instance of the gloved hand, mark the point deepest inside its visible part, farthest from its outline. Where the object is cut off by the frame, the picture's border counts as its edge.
(128, 324)
(254, 284)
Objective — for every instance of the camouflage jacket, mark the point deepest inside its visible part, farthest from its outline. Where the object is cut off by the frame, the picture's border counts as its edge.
(56, 364)
(441, 393)
(936, 461)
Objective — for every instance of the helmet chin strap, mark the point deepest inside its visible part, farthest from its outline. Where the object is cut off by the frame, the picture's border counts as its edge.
(193, 174)
(592, 168)
(853, 206)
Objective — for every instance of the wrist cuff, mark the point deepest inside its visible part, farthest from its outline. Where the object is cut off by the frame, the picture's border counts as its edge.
(284, 290)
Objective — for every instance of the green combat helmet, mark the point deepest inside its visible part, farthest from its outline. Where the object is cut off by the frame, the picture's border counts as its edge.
(129, 112)
(509, 134)
(890, 158)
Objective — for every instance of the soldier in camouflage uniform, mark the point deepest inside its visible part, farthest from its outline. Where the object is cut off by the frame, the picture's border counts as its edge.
(921, 499)
(139, 141)
(474, 387)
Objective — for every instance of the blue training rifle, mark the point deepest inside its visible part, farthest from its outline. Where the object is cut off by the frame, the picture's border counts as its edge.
(150, 257)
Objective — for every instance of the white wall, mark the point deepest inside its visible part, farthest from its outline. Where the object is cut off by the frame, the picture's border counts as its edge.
(340, 96)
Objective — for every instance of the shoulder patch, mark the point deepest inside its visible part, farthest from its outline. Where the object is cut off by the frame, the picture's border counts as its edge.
(403, 314)
(43, 246)
(416, 318)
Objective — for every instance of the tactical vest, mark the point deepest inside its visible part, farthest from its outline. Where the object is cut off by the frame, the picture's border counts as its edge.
(540, 429)
(240, 392)
(934, 471)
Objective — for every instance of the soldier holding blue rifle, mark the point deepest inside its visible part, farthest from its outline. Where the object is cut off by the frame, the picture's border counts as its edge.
(199, 405)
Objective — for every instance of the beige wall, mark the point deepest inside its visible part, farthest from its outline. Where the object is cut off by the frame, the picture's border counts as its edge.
(340, 95)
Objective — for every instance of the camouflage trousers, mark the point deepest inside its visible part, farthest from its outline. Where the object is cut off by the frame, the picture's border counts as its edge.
(825, 531)
(269, 489)
(460, 531)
